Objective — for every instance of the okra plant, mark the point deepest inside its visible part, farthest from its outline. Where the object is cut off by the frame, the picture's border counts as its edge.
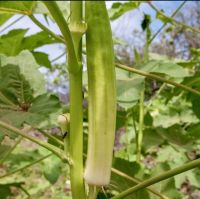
(86, 153)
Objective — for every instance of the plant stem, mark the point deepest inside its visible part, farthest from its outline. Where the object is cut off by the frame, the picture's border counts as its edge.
(137, 181)
(58, 57)
(141, 121)
(11, 149)
(51, 148)
(175, 21)
(53, 138)
(6, 101)
(158, 78)
(12, 23)
(161, 177)
(174, 13)
(44, 28)
(73, 65)
(76, 112)
(25, 167)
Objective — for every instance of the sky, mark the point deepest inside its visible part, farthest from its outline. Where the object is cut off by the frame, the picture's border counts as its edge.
(128, 22)
(122, 28)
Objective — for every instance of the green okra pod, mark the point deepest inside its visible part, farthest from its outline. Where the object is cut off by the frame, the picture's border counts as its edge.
(101, 94)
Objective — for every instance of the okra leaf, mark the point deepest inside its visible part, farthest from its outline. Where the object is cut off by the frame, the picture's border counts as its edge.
(42, 59)
(52, 168)
(6, 189)
(37, 40)
(119, 183)
(20, 7)
(29, 68)
(118, 8)
(13, 42)
(128, 91)
(4, 17)
(10, 43)
(166, 67)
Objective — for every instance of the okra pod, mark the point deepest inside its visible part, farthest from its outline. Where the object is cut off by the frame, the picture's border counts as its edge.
(101, 94)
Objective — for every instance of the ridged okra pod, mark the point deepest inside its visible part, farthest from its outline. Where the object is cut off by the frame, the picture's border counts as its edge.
(101, 94)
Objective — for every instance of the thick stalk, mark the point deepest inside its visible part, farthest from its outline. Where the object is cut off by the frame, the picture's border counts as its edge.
(76, 110)
(73, 65)
(75, 76)
(161, 177)
(158, 78)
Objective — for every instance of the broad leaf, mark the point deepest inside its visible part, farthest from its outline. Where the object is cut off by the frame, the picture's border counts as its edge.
(42, 59)
(21, 7)
(4, 17)
(10, 43)
(29, 68)
(118, 8)
(52, 169)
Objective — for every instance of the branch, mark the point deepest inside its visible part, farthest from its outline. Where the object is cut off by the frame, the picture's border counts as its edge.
(63, 26)
(175, 21)
(137, 181)
(51, 148)
(161, 177)
(44, 28)
(174, 13)
(25, 167)
(158, 78)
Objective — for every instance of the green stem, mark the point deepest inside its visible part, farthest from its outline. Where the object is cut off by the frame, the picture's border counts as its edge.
(25, 167)
(141, 122)
(175, 21)
(15, 21)
(11, 149)
(174, 13)
(73, 65)
(93, 191)
(161, 177)
(53, 138)
(5, 100)
(76, 111)
(44, 28)
(137, 181)
(51, 148)
(58, 57)
(158, 78)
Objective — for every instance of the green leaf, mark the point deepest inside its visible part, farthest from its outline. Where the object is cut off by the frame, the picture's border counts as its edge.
(163, 18)
(52, 169)
(37, 40)
(14, 86)
(4, 17)
(120, 183)
(146, 22)
(29, 68)
(166, 67)
(196, 105)
(3, 150)
(10, 43)
(128, 91)
(118, 9)
(166, 187)
(42, 59)
(45, 104)
(175, 134)
(21, 7)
